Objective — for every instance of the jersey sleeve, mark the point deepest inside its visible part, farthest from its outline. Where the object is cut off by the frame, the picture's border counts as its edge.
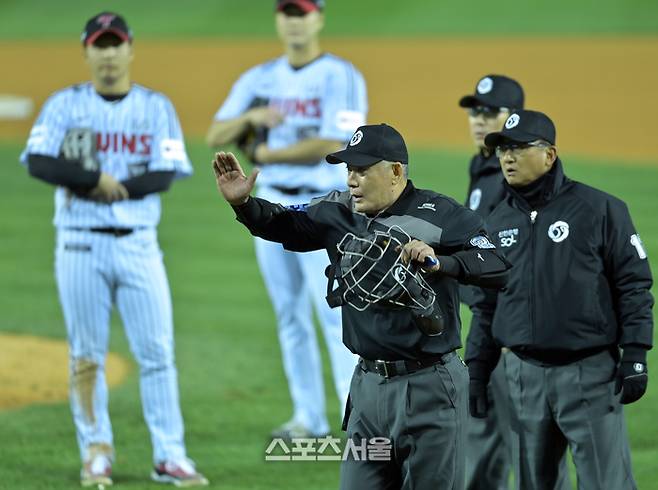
(49, 129)
(239, 98)
(345, 103)
(169, 152)
(471, 256)
(627, 267)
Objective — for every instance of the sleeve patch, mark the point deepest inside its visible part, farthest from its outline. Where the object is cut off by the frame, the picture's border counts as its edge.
(481, 241)
(637, 243)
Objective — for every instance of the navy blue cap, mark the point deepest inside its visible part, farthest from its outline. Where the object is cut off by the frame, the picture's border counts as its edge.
(371, 144)
(523, 127)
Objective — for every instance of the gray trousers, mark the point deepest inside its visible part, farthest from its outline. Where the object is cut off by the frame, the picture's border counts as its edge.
(424, 416)
(572, 405)
(488, 445)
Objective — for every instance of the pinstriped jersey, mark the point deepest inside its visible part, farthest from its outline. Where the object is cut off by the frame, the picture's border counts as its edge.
(138, 133)
(324, 99)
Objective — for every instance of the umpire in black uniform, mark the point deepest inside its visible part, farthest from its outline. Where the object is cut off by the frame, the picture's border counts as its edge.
(577, 294)
(408, 387)
(488, 445)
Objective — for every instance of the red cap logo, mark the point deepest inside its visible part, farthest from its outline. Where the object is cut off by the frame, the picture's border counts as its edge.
(105, 20)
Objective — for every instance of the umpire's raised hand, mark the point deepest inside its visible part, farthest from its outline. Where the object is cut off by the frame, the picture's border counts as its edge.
(231, 180)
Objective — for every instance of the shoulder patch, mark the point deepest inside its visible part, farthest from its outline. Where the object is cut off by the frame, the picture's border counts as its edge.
(481, 241)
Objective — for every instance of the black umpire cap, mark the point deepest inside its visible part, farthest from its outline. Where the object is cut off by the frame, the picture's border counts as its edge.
(371, 144)
(106, 22)
(306, 5)
(523, 127)
(495, 91)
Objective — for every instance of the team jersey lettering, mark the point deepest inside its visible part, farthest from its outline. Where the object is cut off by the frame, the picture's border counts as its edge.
(298, 107)
(133, 144)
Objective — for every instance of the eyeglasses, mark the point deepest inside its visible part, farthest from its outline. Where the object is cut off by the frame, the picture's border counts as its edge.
(486, 111)
(516, 148)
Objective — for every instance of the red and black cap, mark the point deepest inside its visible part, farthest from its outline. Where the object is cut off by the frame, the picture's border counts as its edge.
(371, 144)
(305, 5)
(523, 127)
(495, 91)
(106, 22)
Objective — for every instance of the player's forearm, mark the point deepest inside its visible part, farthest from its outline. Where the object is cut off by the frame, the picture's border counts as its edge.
(307, 152)
(225, 132)
(62, 172)
(148, 183)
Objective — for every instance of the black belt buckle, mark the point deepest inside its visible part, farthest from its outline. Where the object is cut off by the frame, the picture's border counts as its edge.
(382, 368)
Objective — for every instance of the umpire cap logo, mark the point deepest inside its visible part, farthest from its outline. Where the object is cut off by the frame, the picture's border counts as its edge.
(512, 121)
(558, 231)
(356, 139)
(485, 85)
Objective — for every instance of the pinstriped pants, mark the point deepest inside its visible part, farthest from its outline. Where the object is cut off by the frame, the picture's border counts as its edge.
(94, 271)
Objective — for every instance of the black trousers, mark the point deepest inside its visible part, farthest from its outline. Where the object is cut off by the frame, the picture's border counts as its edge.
(422, 414)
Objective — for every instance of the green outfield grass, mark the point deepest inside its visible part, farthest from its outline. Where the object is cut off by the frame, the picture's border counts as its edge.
(232, 384)
(38, 19)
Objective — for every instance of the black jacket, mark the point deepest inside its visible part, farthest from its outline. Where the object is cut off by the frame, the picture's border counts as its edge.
(485, 191)
(456, 234)
(579, 283)
(485, 188)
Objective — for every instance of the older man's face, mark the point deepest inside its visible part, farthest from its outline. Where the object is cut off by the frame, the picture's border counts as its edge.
(371, 187)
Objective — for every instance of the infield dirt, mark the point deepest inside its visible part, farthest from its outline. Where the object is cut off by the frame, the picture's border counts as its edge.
(599, 91)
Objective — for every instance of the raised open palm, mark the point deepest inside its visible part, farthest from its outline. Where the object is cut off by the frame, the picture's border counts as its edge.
(231, 180)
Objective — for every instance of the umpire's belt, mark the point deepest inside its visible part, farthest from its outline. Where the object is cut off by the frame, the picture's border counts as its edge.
(117, 232)
(390, 369)
(297, 191)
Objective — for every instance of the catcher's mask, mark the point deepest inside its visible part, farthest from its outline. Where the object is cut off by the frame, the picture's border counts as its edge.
(370, 271)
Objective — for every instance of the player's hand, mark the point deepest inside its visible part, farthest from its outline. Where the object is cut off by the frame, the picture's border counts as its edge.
(261, 154)
(108, 190)
(264, 116)
(632, 376)
(231, 180)
(421, 252)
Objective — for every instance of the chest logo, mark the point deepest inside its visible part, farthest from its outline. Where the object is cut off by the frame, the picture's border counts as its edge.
(356, 138)
(558, 231)
(428, 205)
(485, 85)
(475, 199)
(508, 237)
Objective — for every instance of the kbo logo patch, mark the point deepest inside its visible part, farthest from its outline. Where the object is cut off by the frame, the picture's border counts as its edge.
(512, 121)
(558, 231)
(356, 139)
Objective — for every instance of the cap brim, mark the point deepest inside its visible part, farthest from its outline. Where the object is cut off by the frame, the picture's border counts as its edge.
(306, 5)
(352, 157)
(120, 34)
(494, 139)
(476, 100)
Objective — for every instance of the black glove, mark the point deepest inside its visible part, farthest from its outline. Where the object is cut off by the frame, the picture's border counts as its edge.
(632, 375)
(478, 397)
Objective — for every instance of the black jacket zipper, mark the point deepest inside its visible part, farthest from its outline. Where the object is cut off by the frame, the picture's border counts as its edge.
(533, 218)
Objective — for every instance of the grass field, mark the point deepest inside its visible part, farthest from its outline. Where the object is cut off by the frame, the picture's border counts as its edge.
(232, 385)
(44, 19)
(233, 389)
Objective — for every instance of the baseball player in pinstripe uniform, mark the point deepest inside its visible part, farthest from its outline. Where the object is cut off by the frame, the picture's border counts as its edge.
(110, 147)
(301, 106)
